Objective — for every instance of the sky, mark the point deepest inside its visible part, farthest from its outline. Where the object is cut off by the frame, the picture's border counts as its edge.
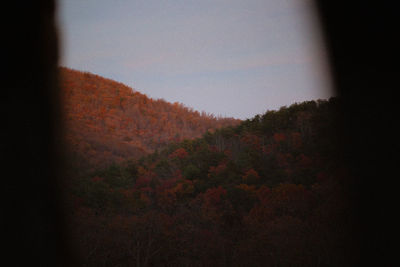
(234, 58)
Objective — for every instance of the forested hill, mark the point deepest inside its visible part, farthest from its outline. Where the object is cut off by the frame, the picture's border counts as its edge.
(268, 192)
(107, 121)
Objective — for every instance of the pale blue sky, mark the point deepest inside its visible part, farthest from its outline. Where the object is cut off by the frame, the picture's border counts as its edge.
(227, 57)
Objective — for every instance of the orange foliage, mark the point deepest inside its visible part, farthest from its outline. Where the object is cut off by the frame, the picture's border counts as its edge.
(248, 188)
(111, 122)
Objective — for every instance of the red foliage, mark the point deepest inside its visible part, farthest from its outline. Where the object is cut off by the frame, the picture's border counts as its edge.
(284, 200)
(145, 179)
(228, 153)
(263, 194)
(97, 179)
(268, 149)
(179, 153)
(279, 137)
(252, 140)
(217, 170)
(250, 174)
(284, 159)
(296, 140)
(213, 149)
(212, 197)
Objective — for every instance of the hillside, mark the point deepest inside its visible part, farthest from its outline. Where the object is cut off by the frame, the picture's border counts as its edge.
(268, 192)
(107, 121)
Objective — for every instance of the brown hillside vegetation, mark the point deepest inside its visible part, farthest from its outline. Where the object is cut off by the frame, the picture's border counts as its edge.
(108, 121)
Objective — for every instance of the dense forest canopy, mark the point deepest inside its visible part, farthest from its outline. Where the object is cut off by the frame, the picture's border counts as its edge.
(268, 191)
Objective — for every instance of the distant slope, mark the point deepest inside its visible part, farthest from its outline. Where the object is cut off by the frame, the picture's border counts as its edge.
(107, 121)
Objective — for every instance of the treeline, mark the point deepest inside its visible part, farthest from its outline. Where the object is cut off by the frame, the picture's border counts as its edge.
(107, 121)
(268, 192)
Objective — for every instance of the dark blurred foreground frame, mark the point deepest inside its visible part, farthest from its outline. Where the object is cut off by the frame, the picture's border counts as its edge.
(360, 38)
(34, 229)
